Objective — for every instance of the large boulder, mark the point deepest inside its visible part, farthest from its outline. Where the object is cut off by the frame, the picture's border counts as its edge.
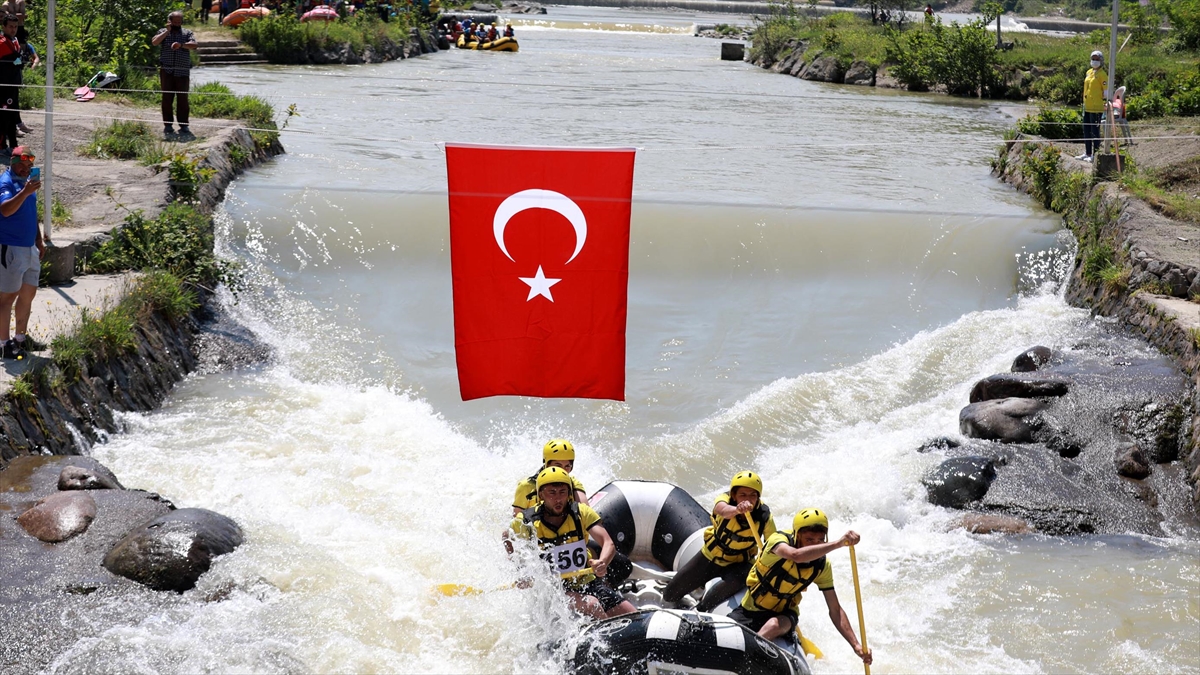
(959, 481)
(823, 69)
(1032, 359)
(170, 552)
(1006, 420)
(861, 73)
(1019, 385)
(59, 516)
(87, 478)
(1131, 461)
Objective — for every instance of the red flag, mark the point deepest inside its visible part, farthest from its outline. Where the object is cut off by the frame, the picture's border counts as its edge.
(539, 253)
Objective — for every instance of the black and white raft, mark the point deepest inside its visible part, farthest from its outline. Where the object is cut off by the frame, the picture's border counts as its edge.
(660, 527)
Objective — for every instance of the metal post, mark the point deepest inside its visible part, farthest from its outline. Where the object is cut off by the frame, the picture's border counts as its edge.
(1112, 64)
(47, 204)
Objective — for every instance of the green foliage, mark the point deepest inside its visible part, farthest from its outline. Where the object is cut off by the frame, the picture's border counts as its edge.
(105, 34)
(216, 100)
(282, 38)
(23, 389)
(162, 291)
(773, 35)
(59, 213)
(1053, 123)
(960, 58)
(179, 241)
(1096, 260)
(1057, 189)
(120, 139)
(1184, 16)
(1169, 95)
(1115, 277)
(186, 176)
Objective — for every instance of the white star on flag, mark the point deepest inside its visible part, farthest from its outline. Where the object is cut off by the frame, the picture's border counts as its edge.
(539, 285)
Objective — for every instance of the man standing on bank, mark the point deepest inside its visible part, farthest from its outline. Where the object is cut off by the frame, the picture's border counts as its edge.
(175, 44)
(21, 249)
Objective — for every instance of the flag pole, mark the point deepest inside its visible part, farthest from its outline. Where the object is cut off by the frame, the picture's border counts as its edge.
(1112, 72)
(47, 204)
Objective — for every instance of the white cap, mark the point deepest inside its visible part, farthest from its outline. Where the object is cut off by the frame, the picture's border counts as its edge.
(1097, 55)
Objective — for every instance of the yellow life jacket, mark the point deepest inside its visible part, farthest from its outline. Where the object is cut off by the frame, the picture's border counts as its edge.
(572, 530)
(775, 585)
(729, 540)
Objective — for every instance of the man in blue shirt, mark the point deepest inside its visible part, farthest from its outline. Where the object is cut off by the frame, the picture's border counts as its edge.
(21, 249)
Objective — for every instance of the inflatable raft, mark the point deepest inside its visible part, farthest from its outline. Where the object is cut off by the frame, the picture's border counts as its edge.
(320, 13)
(660, 527)
(504, 44)
(237, 17)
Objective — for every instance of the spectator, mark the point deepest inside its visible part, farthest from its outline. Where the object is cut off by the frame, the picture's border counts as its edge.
(1095, 98)
(205, 9)
(175, 69)
(21, 249)
(28, 55)
(10, 85)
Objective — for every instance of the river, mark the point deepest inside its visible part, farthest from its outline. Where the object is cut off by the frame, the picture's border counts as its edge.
(818, 275)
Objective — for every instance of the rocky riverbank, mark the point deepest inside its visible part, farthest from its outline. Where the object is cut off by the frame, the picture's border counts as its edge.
(1102, 436)
(71, 534)
(419, 42)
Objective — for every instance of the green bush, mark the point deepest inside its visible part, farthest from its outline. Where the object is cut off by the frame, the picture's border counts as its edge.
(179, 241)
(1053, 123)
(282, 38)
(1184, 16)
(162, 291)
(960, 58)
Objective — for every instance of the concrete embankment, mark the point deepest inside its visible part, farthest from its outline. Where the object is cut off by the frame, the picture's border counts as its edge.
(1153, 287)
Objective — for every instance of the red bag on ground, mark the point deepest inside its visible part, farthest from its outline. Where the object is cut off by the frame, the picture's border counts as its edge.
(539, 253)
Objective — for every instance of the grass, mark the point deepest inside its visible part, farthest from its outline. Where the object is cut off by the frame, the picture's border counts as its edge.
(59, 213)
(114, 332)
(123, 139)
(1170, 190)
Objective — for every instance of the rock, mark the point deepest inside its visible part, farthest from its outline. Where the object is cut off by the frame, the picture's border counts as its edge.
(885, 80)
(823, 69)
(1157, 267)
(1003, 420)
(80, 478)
(59, 516)
(1178, 284)
(522, 8)
(940, 443)
(959, 481)
(1032, 359)
(224, 344)
(860, 73)
(1019, 385)
(1194, 289)
(1131, 461)
(1156, 426)
(992, 523)
(788, 61)
(169, 553)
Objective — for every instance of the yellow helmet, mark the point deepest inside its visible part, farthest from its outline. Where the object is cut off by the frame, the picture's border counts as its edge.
(551, 475)
(558, 448)
(810, 518)
(747, 479)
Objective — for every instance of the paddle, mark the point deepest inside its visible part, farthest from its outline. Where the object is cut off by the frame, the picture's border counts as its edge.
(464, 590)
(862, 626)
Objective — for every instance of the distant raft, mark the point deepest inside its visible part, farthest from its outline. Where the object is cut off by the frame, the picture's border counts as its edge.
(504, 44)
(237, 17)
(320, 13)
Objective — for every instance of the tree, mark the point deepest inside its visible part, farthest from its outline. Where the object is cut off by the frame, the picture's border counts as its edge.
(889, 11)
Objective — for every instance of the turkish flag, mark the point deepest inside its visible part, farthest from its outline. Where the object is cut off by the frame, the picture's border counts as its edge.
(539, 254)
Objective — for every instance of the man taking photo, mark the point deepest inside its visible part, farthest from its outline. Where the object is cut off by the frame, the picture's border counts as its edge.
(175, 44)
(21, 249)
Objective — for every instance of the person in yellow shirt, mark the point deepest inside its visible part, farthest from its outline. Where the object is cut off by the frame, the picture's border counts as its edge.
(730, 544)
(1095, 95)
(789, 564)
(562, 528)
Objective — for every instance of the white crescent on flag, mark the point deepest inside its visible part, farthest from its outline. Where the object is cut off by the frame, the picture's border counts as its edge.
(539, 199)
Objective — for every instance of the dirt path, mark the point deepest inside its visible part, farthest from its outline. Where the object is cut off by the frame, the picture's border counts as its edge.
(100, 192)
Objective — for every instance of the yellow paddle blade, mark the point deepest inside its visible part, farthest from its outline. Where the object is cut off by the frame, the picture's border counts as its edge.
(457, 589)
(808, 647)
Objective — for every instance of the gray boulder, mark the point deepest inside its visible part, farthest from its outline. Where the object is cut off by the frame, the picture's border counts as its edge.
(959, 481)
(170, 552)
(1005, 420)
(823, 69)
(1194, 289)
(1131, 461)
(59, 516)
(861, 73)
(1019, 385)
(84, 478)
(1175, 280)
(1032, 359)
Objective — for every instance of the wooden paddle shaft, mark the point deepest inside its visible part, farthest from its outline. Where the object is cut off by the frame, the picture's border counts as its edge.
(862, 625)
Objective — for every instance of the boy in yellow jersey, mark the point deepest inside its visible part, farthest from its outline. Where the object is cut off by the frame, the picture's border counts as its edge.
(789, 563)
(562, 528)
(730, 544)
(557, 452)
(1095, 95)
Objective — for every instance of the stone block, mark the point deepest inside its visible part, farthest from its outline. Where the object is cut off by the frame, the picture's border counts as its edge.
(733, 51)
(61, 262)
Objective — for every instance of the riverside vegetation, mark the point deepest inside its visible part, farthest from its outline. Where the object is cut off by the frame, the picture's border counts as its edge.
(282, 38)
(1160, 71)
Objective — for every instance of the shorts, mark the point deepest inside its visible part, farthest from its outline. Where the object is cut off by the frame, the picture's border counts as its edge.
(19, 265)
(755, 620)
(601, 591)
